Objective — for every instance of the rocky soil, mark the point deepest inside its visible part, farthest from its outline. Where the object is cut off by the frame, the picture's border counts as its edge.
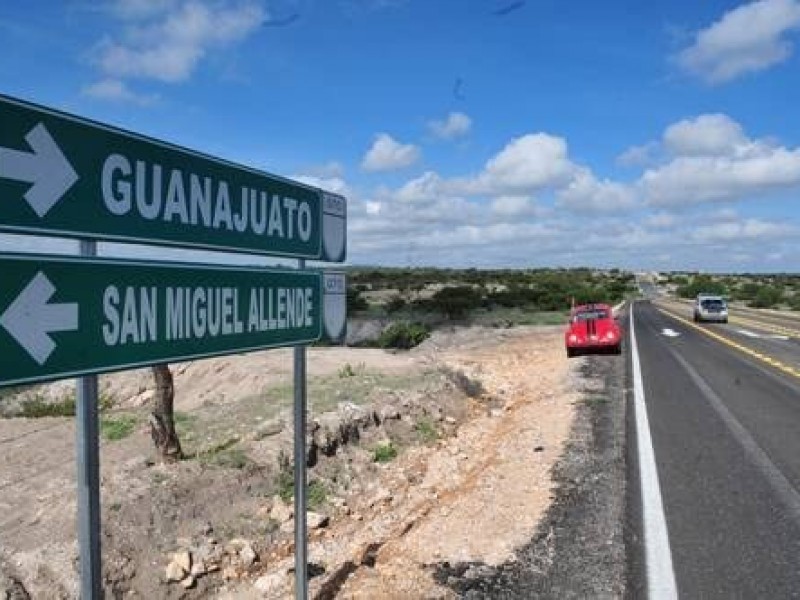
(431, 472)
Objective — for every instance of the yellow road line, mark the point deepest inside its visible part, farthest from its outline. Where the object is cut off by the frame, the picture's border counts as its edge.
(766, 326)
(774, 328)
(789, 370)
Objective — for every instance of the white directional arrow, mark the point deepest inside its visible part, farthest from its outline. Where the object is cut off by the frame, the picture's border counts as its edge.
(46, 168)
(669, 332)
(30, 319)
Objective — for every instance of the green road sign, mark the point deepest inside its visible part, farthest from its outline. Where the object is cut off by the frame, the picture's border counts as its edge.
(67, 316)
(63, 175)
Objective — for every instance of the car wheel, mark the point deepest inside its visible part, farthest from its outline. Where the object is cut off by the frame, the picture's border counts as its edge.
(618, 349)
(571, 353)
(725, 321)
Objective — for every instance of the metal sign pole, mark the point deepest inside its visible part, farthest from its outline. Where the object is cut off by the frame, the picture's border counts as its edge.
(88, 474)
(300, 527)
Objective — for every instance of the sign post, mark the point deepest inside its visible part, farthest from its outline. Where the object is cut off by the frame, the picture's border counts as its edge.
(78, 316)
(300, 480)
(87, 442)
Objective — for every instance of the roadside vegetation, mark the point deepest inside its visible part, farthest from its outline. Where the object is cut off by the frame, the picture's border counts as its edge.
(117, 428)
(417, 301)
(754, 290)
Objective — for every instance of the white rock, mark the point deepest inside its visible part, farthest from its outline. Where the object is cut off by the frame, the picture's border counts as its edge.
(316, 520)
(198, 568)
(382, 497)
(270, 584)
(243, 550)
(175, 572)
(248, 556)
(188, 582)
(183, 558)
(281, 511)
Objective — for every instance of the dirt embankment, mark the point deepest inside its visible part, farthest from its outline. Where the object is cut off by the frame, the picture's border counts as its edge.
(475, 420)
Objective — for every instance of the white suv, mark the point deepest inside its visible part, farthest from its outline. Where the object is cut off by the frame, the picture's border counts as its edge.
(710, 308)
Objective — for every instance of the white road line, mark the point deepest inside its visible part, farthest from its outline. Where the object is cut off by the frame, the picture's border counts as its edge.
(748, 333)
(658, 558)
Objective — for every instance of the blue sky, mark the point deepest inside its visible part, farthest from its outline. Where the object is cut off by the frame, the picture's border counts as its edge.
(661, 135)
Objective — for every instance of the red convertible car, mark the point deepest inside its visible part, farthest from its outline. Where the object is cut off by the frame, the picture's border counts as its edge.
(592, 330)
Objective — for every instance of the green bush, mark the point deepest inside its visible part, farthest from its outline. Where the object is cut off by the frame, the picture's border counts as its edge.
(347, 371)
(455, 302)
(39, 407)
(316, 495)
(514, 297)
(384, 453)
(285, 484)
(403, 335)
(746, 291)
(355, 301)
(426, 429)
(395, 304)
(118, 428)
(767, 297)
(224, 454)
(701, 284)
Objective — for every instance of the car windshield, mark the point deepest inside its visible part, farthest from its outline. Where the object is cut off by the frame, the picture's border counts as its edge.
(712, 304)
(591, 314)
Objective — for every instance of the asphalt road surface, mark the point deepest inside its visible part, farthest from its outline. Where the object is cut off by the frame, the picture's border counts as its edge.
(723, 414)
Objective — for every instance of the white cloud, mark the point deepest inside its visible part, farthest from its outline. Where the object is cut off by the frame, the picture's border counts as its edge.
(585, 193)
(688, 180)
(331, 168)
(514, 206)
(456, 125)
(426, 188)
(747, 230)
(387, 154)
(509, 230)
(712, 159)
(335, 185)
(725, 215)
(118, 91)
(636, 156)
(706, 135)
(661, 220)
(167, 43)
(527, 164)
(475, 220)
(747, 39)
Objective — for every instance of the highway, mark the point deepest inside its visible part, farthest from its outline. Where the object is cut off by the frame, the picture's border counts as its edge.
(723, 406)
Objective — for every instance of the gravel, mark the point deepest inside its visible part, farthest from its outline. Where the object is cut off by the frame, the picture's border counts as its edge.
(579, 549)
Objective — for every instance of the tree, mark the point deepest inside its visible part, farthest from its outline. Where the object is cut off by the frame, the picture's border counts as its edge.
(395, 304)
(701, 284)
(767, 297)
(355, 301)
(162, 419)
(455, 302)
